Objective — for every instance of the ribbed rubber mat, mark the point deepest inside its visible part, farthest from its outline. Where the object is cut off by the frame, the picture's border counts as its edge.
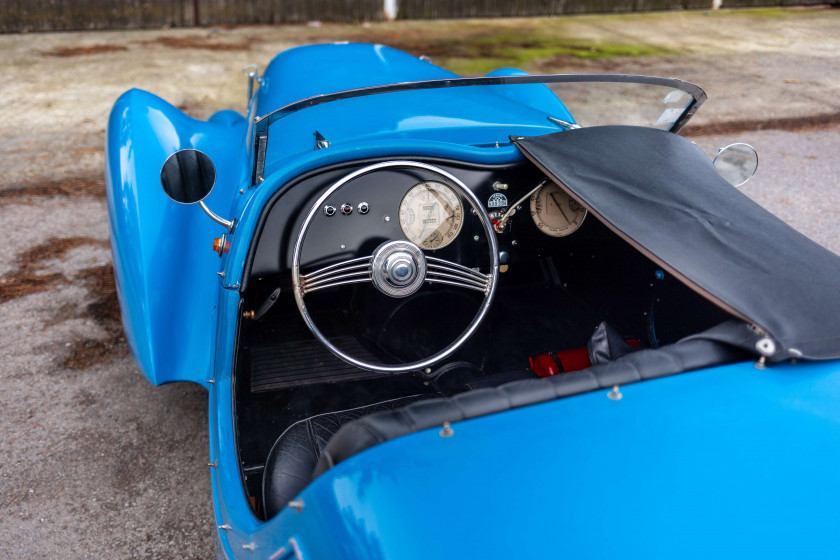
(304, 362)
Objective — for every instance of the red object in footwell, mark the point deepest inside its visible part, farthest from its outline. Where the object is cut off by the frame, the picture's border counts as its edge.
(564, 361)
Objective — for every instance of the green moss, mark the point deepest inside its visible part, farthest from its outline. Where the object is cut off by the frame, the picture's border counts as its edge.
(774, 13)
(474, 66)
(488, 53)
(474, 47)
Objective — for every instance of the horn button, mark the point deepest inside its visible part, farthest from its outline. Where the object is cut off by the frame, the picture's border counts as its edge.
(398, 268)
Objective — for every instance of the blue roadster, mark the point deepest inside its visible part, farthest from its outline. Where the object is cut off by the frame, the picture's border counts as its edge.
(513, 316)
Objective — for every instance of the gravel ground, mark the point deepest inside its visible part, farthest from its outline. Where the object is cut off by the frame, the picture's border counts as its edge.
(98, 463)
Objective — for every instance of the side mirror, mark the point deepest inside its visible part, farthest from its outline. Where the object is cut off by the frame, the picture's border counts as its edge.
(736, 163)
(187, 177)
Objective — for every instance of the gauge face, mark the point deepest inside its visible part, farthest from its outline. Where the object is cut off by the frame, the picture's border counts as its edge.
(431, 215)
(555, 212)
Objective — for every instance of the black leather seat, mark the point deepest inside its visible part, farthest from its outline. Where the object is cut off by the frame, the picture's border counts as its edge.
(308, 448)
(289, 466)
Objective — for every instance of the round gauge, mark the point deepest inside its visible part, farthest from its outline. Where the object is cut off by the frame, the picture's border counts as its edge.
(555, 212)
(431, 215)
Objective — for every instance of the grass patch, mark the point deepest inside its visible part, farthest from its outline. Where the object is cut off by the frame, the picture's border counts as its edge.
(479, 48)
(775, 13)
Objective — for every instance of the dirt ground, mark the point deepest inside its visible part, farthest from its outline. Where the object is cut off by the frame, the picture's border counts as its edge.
(95, 462)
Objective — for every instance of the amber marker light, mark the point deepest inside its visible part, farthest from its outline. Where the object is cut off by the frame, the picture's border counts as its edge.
(221, 245)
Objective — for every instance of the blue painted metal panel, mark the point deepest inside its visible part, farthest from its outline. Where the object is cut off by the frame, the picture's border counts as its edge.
(164, 265)
(731, 462)
(470, 116)
(312, 70)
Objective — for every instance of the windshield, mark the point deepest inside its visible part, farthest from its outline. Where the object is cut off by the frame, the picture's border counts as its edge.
(546, 101)
(597, 104)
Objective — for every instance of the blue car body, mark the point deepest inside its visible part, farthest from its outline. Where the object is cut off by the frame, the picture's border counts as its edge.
(729, 461)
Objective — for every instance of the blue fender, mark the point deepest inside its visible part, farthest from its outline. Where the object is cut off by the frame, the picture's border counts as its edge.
(163, 262)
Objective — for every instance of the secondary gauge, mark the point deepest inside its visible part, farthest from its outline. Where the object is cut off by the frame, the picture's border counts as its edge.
(555, 212)
(431, 215)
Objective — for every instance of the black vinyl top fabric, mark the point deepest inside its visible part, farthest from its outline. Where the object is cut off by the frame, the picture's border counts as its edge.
(662, 194)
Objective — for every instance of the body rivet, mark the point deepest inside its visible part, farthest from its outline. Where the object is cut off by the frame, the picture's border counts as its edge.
(297, 505)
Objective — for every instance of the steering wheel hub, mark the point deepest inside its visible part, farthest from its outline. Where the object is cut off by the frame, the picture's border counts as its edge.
(398, 268)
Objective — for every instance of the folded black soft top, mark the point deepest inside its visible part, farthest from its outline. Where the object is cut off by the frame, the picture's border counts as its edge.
(662, 194)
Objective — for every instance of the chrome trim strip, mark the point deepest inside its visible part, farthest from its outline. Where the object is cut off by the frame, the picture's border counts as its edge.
(477, 277)
(343, 266)
(363, 276)
(443, 263)
(442, 278)
(310, 289)
(482, 289)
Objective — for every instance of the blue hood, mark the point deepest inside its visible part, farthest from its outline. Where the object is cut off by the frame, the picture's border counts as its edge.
(472, 116)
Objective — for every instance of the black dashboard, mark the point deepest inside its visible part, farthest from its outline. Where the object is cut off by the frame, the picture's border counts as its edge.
(364, 213)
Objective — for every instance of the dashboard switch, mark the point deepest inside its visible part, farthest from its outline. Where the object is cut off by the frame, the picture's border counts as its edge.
(363, 208)
(346, 208)
(329, 210)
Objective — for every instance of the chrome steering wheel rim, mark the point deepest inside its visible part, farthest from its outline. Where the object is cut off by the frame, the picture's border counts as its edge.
(489, 287)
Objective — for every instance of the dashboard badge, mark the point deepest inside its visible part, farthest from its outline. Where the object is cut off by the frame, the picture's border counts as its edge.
(497, 200)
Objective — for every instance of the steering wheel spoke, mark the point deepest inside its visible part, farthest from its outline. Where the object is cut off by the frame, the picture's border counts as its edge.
(353, 271)
(440, 271)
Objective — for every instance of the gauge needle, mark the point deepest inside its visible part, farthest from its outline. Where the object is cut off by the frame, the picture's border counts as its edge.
(559, 207)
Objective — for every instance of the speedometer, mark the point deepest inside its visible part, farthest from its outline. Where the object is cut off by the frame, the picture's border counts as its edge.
(431, 215)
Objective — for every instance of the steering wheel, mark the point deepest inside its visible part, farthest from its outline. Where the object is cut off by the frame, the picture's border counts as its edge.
(398, 268)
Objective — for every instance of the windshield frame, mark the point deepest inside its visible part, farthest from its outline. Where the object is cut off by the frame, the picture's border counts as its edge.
(263, 123)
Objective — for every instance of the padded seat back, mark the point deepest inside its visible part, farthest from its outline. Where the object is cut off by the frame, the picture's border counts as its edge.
(683, 356)
(289, 466)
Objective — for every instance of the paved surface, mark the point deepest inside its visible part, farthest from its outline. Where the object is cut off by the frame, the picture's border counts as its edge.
(94, 461)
